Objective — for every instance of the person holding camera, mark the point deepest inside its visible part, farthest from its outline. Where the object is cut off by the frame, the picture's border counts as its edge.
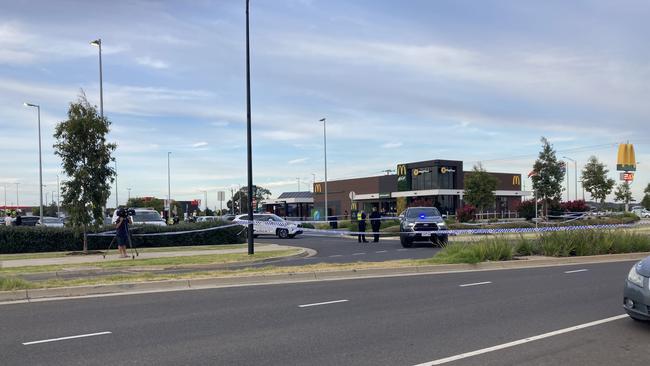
(122, 233)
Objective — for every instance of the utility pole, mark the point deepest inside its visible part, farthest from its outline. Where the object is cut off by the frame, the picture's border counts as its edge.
(169, 190)
(298, 183)
(251, 248)
(17, 195)
(324, 120)
(116, 198)
(58, 197)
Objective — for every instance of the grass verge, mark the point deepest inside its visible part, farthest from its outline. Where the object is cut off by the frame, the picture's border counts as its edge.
(155, 262)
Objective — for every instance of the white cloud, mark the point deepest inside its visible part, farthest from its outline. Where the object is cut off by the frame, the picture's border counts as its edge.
(200, 144)
(153, 63)
(297, 161)
(391, 145)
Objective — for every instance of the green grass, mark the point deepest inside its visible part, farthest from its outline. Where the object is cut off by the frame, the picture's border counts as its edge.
(487, 249)
(6, 257)
(154, 262)
(13, 283)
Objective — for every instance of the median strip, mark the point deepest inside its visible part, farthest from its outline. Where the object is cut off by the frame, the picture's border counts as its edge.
(66, 338)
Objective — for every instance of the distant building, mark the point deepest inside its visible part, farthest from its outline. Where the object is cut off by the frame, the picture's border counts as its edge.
(438, 183)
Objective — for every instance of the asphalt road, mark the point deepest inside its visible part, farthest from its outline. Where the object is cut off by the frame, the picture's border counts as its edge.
(404, 320)
(349, 250)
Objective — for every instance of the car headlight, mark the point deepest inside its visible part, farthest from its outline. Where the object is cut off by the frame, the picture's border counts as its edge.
(635, 277)
(410, 224)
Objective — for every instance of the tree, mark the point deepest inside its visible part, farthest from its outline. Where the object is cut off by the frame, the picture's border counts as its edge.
(259, 194)
(549, 175)
(623, 194)
(595, 181)
(86, 157)
(646, 197)
(479, 188)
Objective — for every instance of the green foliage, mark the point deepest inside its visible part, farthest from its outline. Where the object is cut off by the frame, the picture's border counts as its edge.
(646, 197)
(488, 249)
(526, 209)
(479, 188)
(259, 193)
(595, 181)
(48, 211)
(548, 180)
(623, 193)
(86, 156)
(23, 239)
(13, 283)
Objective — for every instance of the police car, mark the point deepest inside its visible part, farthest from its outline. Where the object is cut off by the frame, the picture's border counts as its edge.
(270, 224)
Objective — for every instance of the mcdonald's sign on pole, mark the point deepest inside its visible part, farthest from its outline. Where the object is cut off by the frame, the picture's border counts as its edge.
(626, 161)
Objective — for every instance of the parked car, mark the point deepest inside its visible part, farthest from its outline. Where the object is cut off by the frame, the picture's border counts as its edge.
(50, 222)
(28, 220)
(271, 224)
(636, 293)
(641, 212)
(144, 216)
(420, 224)
(207, 218)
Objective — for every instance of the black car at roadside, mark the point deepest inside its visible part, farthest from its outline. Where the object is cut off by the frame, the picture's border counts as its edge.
(422, 224)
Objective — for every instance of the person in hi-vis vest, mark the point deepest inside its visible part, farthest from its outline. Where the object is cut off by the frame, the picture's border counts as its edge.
(361, 219)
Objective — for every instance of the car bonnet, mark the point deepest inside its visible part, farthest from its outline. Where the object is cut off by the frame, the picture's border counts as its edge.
(643, 267)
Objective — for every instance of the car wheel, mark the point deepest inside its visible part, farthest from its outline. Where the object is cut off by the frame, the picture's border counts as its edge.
(283, 233)
(406, 242)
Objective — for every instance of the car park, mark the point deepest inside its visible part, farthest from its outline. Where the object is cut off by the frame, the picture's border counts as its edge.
(50, 222)
(271, 224)
(636, 293)
(144, 216)
(421, 224)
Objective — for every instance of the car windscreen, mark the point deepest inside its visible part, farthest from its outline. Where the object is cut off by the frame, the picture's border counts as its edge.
(48, 220)
(422, 213)
(141, 216)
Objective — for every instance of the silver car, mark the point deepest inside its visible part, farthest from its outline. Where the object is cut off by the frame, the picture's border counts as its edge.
(636, 294)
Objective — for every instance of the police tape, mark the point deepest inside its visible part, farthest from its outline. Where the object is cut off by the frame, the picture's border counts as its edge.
(112, 233)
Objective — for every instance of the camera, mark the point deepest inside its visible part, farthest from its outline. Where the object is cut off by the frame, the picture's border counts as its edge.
(125, 212)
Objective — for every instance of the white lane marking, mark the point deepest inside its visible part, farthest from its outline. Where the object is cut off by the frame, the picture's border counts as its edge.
(576, 271)
(65, 338)
(322, 303)
(381, 251)
(521, 341)
(475, 284)
(358, 253)
(336, 255)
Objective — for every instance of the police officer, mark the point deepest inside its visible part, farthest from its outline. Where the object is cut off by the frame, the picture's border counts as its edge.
(361, 220)
(375, 223)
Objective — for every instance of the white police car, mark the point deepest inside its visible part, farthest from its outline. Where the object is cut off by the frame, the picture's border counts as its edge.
(270, 224)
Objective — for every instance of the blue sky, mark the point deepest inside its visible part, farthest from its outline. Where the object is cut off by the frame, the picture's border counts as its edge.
(397, 81)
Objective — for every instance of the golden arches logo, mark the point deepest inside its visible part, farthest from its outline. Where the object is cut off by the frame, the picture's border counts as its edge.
(626, 158)
(516, 180)
(401, 170)
(318, 188)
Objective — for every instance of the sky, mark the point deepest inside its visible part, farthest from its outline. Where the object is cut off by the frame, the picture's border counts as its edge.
(478, 81)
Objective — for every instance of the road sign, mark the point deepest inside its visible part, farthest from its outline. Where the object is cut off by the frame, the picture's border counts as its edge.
(221, 196)
(627, 176)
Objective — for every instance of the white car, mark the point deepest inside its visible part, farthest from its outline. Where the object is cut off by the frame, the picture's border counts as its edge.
(641, 212)
(207, 218)
(50, 222)
(144, 216)
(271, 224)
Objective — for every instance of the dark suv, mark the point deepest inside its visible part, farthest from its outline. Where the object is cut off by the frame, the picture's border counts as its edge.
(421, 224)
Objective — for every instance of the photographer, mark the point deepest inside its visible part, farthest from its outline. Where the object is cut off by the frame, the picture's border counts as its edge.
(122, 231)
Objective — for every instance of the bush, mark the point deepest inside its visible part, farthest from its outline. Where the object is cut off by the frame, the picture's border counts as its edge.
(25, 239)
(488, 249)
(526, 209)
(466, 213)
(575, 206)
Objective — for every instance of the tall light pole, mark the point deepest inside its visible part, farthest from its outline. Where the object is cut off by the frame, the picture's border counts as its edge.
(116, 196)
(325, 153)
(17, 195)
(98, 43)
(5, 187)
(313, 181)
(128, 195)
(298, 179)
(40, 162)
(169, 189)
(58, 198)
(575, 168)
(251, 249)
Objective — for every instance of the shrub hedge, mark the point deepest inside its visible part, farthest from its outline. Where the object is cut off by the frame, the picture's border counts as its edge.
(25, 239)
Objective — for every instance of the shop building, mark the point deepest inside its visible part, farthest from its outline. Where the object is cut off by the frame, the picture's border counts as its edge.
(295, 205)
(438, 183)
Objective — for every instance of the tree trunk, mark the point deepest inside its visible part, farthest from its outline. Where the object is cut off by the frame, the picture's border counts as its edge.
(85, 248)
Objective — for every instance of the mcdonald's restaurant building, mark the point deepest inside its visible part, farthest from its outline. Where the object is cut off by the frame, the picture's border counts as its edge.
(436, 183)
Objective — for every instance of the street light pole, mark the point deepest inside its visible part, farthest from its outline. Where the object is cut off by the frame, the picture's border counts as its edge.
(169, 189)
(98, 43)
(575, 168)
(298, 178)
(324, 120)
(40, 161)
(58, 198)
(251, 249)
(17, 195)
(117, 204)
(128, 195)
